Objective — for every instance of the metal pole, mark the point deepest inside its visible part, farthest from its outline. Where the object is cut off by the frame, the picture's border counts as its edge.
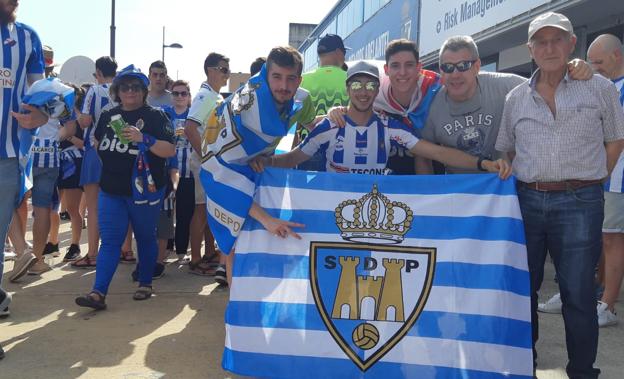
(112, 30)
(163, 45)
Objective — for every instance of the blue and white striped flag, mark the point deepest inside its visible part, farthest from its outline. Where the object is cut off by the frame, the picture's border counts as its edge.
(249, 125)
(395, 277)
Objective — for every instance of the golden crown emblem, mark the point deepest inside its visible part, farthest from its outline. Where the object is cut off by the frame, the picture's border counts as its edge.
(375, 217)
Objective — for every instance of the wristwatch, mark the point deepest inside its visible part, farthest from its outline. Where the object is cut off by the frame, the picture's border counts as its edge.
(480, 163)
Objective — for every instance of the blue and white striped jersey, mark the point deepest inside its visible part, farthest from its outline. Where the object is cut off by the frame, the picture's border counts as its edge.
(359, 149)
(96, 101)
(183, 146)
(616, 181)
(44, 151)
(21, 56)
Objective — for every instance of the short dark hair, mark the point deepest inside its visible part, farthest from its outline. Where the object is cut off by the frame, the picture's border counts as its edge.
(256, 66)
(157, 64)
(401, 44)
(114, 88)
(107, 66)
(213, 59)
(285, 56)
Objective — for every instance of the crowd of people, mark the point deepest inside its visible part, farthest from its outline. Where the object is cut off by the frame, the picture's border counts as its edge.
(141, 156)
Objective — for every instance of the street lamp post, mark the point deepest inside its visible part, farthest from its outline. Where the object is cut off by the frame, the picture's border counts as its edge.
(112, 30)
(174, 45)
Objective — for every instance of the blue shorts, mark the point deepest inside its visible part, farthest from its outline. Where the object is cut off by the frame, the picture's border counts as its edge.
(44, 187)
(91, 168)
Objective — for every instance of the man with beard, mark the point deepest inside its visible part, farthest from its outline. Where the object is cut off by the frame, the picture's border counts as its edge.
(21, 64)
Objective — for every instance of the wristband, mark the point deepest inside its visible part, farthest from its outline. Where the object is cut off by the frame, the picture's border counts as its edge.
(148, 140)
(480, 163)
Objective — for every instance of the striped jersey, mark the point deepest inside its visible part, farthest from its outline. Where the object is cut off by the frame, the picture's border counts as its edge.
(21, 56)
(96, 101)
(616, 181)
(44, 150)
(183, 146)
(359, 149)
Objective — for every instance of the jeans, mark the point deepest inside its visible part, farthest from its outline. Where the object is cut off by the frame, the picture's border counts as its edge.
(114, 214)
(568, 226)
(9, 192)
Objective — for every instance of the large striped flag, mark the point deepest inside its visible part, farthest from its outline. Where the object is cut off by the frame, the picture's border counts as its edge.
(395, 277)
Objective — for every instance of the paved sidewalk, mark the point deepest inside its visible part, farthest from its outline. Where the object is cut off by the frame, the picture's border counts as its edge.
(177, 334)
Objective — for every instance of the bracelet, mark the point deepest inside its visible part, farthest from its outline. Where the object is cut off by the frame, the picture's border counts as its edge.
(148, 140)
(480, 163)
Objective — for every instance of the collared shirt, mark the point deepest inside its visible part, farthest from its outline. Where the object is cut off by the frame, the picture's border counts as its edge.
(568, 145)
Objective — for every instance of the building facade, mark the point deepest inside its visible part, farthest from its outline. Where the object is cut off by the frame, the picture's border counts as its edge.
(498, 26)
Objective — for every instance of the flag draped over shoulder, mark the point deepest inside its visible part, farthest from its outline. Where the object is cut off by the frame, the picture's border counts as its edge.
(395, 277)
(250, 125)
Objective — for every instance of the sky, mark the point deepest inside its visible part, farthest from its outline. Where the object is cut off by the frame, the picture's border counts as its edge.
(241, 29)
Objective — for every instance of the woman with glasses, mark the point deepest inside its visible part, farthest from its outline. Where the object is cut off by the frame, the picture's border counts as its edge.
(134, 142)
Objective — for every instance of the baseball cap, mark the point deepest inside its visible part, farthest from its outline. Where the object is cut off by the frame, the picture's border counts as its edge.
(362, 68)
(552, 19)
(329, 43)
(132, 72)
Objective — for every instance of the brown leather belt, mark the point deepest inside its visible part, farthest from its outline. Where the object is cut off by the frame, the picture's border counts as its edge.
(559, 186)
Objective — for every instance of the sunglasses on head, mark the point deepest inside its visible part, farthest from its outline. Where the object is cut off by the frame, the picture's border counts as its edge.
(224, 70)
(356, 85)
(461, 66)
(176, 93)
(134, 87)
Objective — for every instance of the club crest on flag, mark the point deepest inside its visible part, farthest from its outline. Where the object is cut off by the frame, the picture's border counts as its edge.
(370, 290)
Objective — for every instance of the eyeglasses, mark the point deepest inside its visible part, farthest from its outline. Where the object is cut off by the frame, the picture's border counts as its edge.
(176, 93)
(462, 66)
(224, 70)
(357, 85)
(130, 87)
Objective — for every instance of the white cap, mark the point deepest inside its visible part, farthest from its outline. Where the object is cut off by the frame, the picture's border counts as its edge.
(552, 19)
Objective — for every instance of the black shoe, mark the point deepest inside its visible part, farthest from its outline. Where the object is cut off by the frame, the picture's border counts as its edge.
(1, 353)
(5, 300)
(73, 253)
(64, 216)
(220, 275)
(159, 271)
(51, 249)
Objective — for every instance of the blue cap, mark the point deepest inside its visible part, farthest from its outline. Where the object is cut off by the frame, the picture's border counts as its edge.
(133, 72)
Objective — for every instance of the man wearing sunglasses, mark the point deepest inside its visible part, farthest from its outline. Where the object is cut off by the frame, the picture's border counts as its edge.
(362, 146)
(466, 112)
(158, 95)
(196, 128)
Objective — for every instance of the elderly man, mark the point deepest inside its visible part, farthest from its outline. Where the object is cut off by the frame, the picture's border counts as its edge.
(564, 137)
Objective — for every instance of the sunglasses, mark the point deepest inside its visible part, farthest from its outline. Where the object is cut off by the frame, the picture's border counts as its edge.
(130, 87)
(224, 70)
(176, 93)
(369, 86)
(462, 66)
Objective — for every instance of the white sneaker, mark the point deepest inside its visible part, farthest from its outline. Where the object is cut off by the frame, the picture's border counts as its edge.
(605, 316)
(553, 305)
(9, 255)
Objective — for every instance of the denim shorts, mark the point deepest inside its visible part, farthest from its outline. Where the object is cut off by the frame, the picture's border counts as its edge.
(44, 187)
